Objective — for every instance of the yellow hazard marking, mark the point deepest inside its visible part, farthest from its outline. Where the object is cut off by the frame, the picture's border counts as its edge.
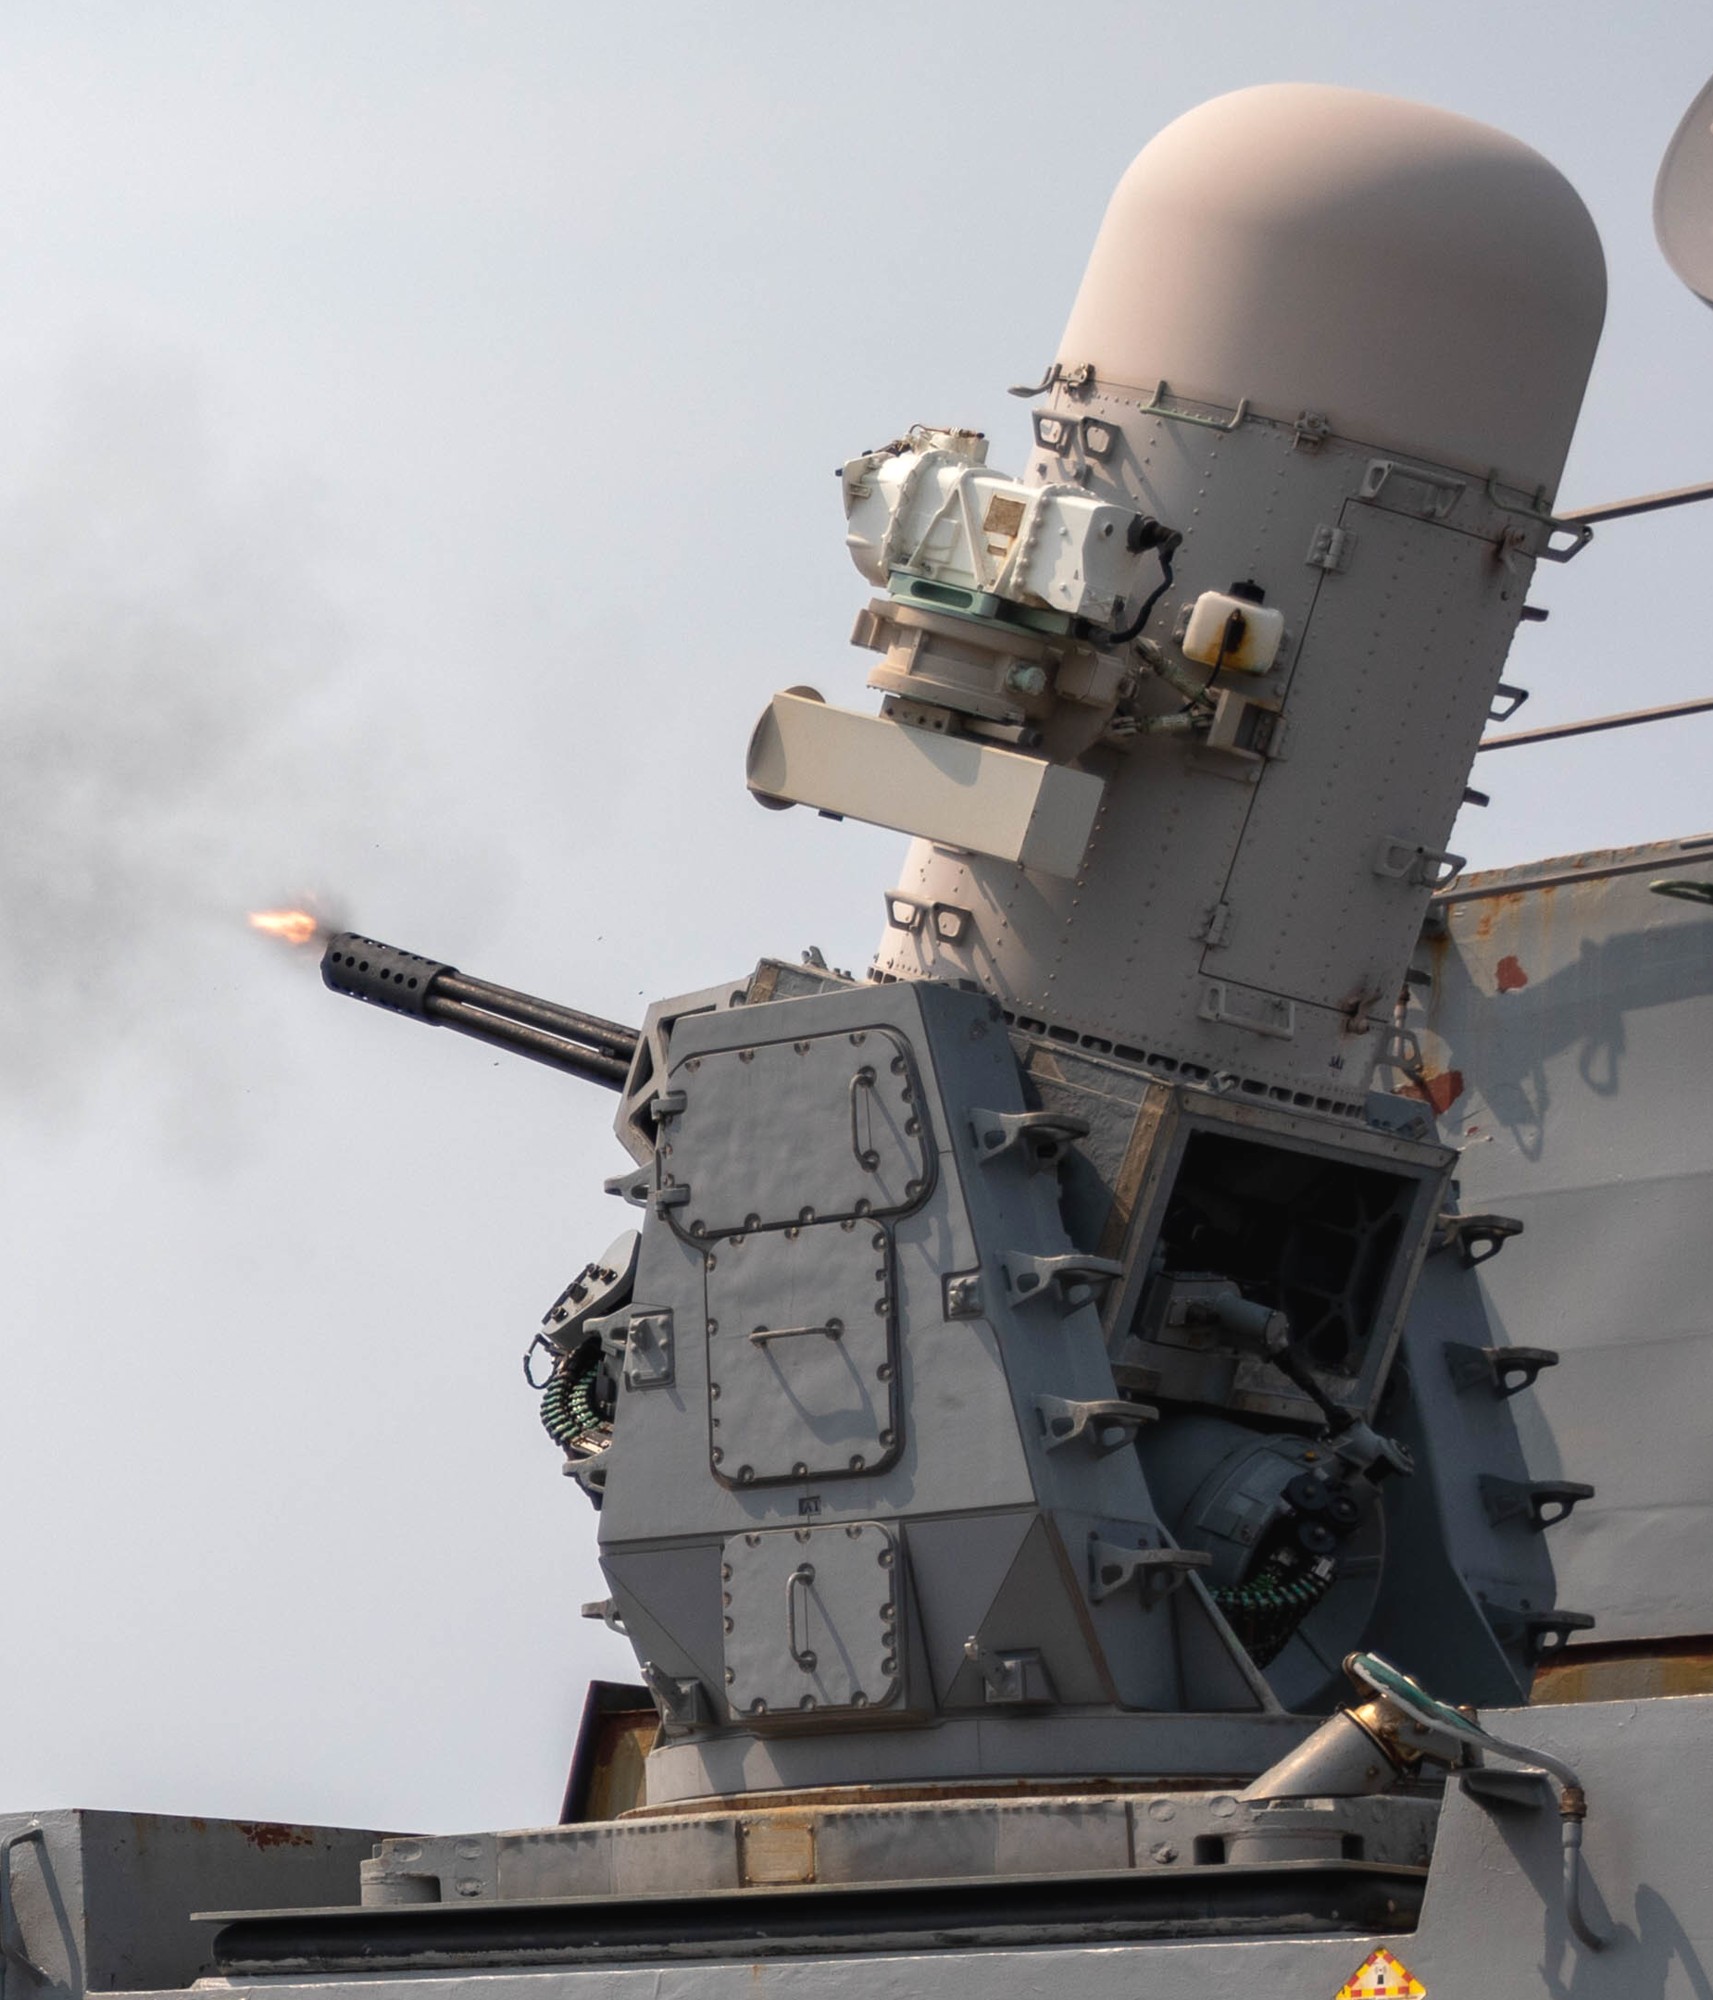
(1380, 1976)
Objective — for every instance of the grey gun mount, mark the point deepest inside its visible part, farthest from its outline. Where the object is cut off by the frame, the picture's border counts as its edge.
(428, 990)
(984, 1409)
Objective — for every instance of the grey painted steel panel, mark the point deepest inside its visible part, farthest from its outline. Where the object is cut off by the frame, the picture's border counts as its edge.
(1567, 1037)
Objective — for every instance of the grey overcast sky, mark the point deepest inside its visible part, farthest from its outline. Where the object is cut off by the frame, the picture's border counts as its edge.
(416, 428)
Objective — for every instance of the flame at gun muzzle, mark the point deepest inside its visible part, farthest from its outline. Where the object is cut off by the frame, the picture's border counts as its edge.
(405, 983)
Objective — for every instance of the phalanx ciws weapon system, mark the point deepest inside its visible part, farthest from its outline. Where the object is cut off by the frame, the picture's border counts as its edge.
(1002, 1387)
(1048, 1381)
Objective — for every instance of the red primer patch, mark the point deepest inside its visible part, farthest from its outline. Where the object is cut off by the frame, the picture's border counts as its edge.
(1442, 1090)
(1508, 975)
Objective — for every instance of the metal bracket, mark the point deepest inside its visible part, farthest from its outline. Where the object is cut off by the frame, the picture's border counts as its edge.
(1446, 492)
(648, 1348)
(1475, 1238)
(1544, 1634)
(1542, 1502)
(1311, 431)
(668, 1104)
(1245, 727)
(1102, 1426)
(683, 1704)
(1259, 1013)
(638, 1188)
(1400, 1048)
(1078, 380)
(1402, 860)
(590, 1474)
(1155, 1572)
(1536, 510)
(947, 921)
(1512, 699)
(1157, 408)
(1040, 1137)
(1070, 1279)
(1018, 1679)
(1053, 432)
(1505, 1370)
(1683, 892)
(606, 1609)
(1100, 439)
(1492, 1785)
(961, 1292)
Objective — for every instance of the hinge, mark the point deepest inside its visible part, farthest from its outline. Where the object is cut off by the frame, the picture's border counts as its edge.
(1215, 927)
(1331, 548)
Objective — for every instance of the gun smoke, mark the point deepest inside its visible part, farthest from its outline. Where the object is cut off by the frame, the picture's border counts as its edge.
(176, 734)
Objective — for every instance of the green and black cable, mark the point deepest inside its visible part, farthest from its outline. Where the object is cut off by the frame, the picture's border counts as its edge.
(1266, 1611)
(569, 1413)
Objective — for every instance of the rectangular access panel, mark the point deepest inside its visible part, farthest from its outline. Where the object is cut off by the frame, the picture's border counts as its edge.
(802, 1354)
(814, 1620)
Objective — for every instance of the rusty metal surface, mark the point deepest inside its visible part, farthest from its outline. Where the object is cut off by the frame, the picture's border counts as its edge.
(1567, 1035)
(1628, 1673)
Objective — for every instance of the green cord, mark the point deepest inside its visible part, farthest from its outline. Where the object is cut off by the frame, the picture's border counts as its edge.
(1266, 1611)
(568, 1412)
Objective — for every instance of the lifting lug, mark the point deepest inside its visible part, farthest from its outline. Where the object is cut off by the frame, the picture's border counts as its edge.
(1475, 1238)
(1070, 1279)
(1040, 1137)
(1504, 1370)
(1101, 1427)
(1544, 1502)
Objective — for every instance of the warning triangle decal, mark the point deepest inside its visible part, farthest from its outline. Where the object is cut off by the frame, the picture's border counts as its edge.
(1380, 1976)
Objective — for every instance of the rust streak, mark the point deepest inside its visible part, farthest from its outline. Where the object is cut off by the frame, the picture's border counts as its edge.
(270, 1833)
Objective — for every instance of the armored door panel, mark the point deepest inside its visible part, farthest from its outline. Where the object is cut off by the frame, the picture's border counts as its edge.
(818, 1128)
(1328, 890)
(802, 1362)
(813, 1618)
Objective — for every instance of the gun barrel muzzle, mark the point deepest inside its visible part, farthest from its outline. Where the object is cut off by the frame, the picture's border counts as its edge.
(406, 983)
